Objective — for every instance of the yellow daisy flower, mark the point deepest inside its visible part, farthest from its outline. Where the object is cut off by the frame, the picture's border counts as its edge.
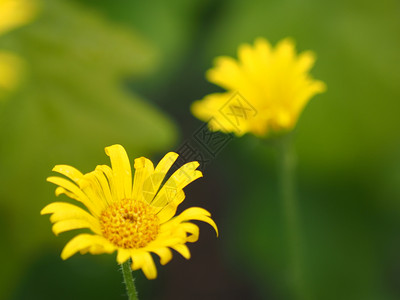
(13, 13)
(267, 88)
(132, 219)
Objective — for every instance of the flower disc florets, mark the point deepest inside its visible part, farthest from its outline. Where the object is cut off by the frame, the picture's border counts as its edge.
(129, 224)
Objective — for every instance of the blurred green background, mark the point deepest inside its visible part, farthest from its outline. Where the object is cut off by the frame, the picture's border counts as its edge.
(102, 72)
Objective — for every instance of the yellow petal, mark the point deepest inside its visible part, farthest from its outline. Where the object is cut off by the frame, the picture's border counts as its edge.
(196, 213)
(69, 172)
(62, 211)
(86, 242)
(103, 246)
(75, 192)
(178, 180)
(285, 52)
(182, 249)
(185, 175)
(72, 224)
(138, 258)
(143, 260)
(108, 173)
(152, 184)
(149, 268)
(263, 50)
(185, 231)
(216, 111)
(168, 211)
(226, 73)
(166, 163)
(164, 253)
(165, 240)
(192, 230)
(95, 186)
(143, 170)
(104, 184)
(305, 61)
(121, 171)
(123, 255)
(248, 59)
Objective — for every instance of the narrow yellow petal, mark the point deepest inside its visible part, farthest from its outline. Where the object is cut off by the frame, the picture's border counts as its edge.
(168, 211)
(305, 61)
(143, 170)
(71, 224)
(196, 213)
(75, 191)
(249, 61)
(182, 250)
(166, 162)
(285, 52)
(105, 187)
(69, 172)
(76, 244)
(93, 188)
(192, 230)
(263, 47)
(123, 255)
(209, 110)
(143, 260)
(182, 231)
(226, 73)
(99, 247)
(87, 242)
(149, 268)
(62, 211)
(152, 183)
(121, 170)
(108, 173)
(181, 178)
(138, 258)
(164, 253)
(166, 240)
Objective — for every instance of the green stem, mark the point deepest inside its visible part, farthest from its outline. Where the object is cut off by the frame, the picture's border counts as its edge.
(128, 280)
(287, 168)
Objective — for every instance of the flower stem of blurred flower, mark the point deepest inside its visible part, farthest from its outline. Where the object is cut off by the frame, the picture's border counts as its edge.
(128, 280)
(287, 168)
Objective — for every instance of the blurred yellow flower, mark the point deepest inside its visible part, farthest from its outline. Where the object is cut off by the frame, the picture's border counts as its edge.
(10, 70)
(132, 219)
(267, 88)
(13, 13)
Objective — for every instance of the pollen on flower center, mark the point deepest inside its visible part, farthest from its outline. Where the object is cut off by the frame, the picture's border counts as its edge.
(129, 224)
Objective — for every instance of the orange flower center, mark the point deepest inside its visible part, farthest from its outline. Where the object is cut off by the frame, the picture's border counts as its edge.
(129, 224)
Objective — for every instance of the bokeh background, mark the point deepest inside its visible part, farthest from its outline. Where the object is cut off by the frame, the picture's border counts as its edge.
(100, 72)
